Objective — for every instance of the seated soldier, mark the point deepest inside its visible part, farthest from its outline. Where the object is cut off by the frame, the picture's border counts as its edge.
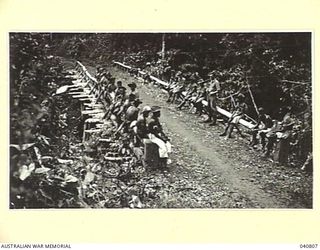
(271, 136)
(171, 87)
(99, 73)
(114, 110)
(102, 93)
(121, 114)
(104, 77)
(146, 78)
(193, 99)
(133, 89)
(128, 101)
(201, 95)
(240, 109)
(142, 130)
(282, 149)
(102, 88)
(120, 90)
(177, 92)
(191, 91)
(111, 89)
(131, 114)
(134, 71)
(97, 86)
(261, 128)
(157, 136)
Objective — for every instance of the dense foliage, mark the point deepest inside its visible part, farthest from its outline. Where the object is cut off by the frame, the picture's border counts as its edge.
(38, 122)
(275, 66)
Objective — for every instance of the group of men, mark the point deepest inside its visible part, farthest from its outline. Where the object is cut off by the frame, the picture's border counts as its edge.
(123, 109)
(203, 97)
(272, 135)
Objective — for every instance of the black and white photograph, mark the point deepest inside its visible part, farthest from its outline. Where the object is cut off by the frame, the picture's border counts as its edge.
(161, 120)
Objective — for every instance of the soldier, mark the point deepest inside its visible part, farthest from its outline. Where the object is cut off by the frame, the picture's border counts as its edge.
(154, 125)
(120, 90)
(130, 114)
(240, 109)
(281, 153)
(261, 128)
(99, 72)
(175, 92)
(201, 95)
(113, 111)
(192, 90)
(133, 89)
(133, 111)
(212, 108)
(128, 101)
(142, 130)
(272, 137)
(146, 78)
(170, 89)
(157, 136)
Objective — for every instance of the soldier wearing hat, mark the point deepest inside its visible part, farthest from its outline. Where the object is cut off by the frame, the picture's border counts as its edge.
(99, 72)
(133, 89)
(132, 86)
(264, 124)
(157, 136)
(133, 111)
(154, 125)
(281, 152)
(146, 78)
(212, 108)
(191, 91)
(142, 130)
(127, 102)
(241, 109)
(175, 91)
(211, 98)
(119, 88)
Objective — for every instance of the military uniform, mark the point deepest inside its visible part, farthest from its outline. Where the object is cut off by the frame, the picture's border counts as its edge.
(142, 129)
(240, 110)
(263, 125)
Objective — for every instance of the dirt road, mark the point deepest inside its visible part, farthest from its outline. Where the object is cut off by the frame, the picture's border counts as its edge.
(210, 172)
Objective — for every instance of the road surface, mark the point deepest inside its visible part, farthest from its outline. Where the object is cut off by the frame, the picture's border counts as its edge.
(210, 172)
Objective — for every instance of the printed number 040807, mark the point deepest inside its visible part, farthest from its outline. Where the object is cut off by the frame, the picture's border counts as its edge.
(308, 245)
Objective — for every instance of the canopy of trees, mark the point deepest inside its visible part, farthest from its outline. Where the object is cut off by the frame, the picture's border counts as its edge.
(277, 66)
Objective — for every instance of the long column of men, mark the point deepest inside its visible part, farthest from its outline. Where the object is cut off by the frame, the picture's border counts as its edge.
(112, 112)
(273, 137)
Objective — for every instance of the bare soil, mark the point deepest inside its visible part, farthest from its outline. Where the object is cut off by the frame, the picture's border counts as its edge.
(208, 171)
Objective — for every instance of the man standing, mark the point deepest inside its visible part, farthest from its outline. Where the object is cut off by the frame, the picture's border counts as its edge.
(211, 98)
(212, 108)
